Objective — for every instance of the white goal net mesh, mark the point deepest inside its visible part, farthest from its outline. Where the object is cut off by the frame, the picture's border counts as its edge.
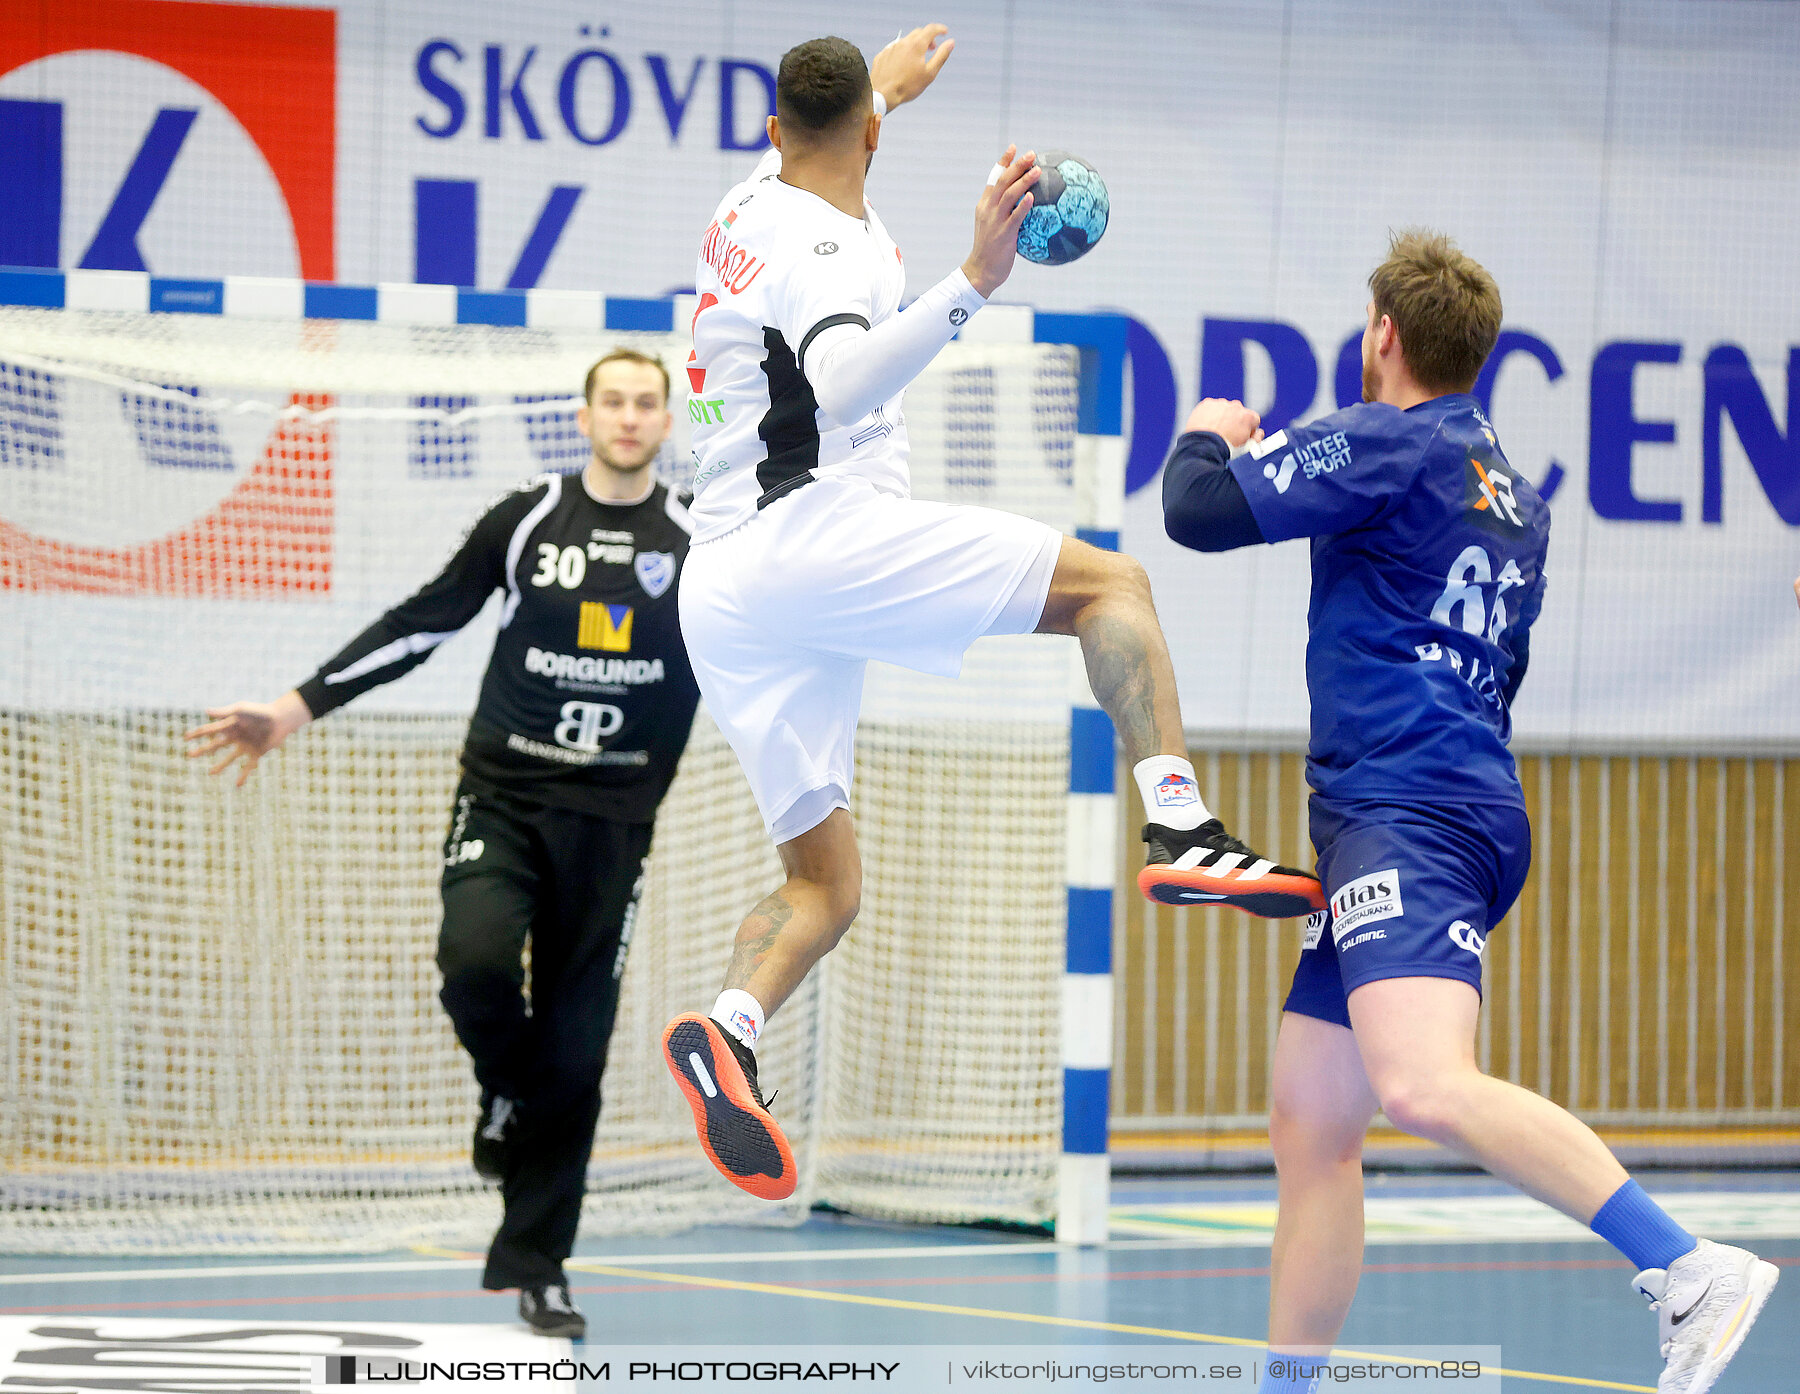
(218, 1020)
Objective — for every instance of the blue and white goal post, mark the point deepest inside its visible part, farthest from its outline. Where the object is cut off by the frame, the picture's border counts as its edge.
(1084, 1173)
(1083, 1181)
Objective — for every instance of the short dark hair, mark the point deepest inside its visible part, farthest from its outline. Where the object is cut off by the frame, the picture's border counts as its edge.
(820, 86)
(625, 355)
(1443, 303)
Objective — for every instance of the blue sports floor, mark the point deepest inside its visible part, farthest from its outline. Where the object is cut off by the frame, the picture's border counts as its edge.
(1452, 1260)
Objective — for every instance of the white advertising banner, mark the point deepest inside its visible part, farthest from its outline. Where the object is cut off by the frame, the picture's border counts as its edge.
(1627, 172)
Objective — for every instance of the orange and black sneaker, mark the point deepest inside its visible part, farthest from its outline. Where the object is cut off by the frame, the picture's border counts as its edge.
(1208, 866)
(717, 1072)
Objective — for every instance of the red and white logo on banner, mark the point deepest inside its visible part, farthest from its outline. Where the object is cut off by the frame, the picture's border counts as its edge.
(186, 140)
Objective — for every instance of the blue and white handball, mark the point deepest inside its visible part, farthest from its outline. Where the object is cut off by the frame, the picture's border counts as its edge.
(1069, 210)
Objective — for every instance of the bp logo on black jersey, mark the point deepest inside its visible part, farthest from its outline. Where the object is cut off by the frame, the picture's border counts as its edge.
(1488, 495)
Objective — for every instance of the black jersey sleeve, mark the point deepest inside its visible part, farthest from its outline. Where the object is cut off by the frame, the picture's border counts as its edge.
(1203, 504)
(406, 635)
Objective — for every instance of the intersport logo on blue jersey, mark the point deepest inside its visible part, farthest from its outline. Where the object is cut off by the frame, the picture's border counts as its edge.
(1726, 406)
(1725, 402)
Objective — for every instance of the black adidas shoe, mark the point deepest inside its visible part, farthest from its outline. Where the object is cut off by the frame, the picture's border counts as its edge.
(1208, 866)
(717, 1074)
(494, 1133)
(550, 1312)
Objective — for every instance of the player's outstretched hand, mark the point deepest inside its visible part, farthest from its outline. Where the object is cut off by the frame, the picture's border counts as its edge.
(1233, 420)
(1003, 206)
(910, 64)
(247, 731)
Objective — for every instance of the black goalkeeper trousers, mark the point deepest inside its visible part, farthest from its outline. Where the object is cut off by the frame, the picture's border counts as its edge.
(569, 884)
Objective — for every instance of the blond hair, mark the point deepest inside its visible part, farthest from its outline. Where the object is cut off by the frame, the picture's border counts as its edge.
(1444, 305)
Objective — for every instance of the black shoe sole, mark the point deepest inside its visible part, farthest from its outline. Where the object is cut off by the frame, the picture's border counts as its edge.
(573, 1327)
(739, 1138)
(1159, 883)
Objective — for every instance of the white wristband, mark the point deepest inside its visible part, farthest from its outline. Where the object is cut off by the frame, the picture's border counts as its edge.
(881, 107)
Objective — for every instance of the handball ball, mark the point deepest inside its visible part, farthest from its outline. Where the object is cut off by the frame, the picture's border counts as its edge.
(1069, 208)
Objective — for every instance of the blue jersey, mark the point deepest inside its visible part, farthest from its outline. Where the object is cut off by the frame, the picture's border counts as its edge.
(1428, 570)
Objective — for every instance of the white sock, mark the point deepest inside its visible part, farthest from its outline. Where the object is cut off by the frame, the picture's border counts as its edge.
(1171, 793)
(740, 1014)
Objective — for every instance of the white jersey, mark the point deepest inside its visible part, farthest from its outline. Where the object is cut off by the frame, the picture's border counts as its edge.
(777, 267)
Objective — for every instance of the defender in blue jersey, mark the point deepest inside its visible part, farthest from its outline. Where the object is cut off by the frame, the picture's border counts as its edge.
(1428, 572)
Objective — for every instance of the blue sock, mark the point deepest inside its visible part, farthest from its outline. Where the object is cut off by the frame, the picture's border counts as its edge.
(1640, 1229)
(1291, 1381)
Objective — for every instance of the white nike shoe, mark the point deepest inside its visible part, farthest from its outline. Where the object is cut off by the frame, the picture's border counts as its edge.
(1706, 1302)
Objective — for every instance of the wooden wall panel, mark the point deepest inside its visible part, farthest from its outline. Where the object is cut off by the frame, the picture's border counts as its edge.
(1647, 977)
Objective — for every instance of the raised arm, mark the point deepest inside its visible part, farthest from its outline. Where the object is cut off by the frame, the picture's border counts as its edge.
(1203, 504)
(900, 72)
(1340, 472)
(854, 369)
(910, 64)
(389, 648)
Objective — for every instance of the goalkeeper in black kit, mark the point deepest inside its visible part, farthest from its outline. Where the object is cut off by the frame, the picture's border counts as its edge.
(584, 711)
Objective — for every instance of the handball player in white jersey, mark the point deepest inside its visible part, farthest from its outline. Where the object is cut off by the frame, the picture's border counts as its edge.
(810, 557)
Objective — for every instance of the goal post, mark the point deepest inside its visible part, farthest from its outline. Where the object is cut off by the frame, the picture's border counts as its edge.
(1084, 1176)
(220, 1025)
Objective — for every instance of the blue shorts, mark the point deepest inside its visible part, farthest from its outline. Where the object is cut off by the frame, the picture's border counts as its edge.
(1413, 889)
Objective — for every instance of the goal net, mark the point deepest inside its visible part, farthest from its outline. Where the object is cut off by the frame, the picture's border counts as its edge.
(219, 1029)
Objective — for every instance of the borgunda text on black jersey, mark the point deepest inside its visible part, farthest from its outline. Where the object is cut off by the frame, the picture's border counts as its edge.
(588, 697)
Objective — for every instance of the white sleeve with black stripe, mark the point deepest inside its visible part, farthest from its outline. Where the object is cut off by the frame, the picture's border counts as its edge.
(854, 369)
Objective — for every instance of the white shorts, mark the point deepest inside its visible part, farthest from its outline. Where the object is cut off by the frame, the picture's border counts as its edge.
(782, 614)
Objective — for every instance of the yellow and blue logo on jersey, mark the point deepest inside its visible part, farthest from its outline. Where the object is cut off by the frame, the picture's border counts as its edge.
(606, 627)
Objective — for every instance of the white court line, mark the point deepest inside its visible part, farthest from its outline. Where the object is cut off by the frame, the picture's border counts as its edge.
(754, 1256)
(1731, 1216)
(1395, 1220)
(665, 1261)
(263, 1270)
